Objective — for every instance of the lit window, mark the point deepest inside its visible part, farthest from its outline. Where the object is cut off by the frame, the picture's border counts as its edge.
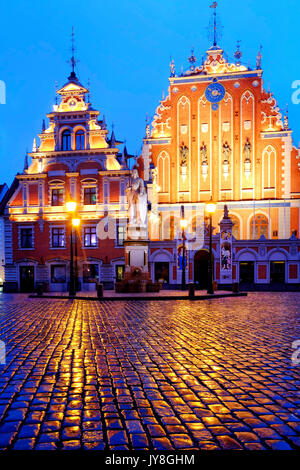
(235, 227)
(26, 239)
(79, 140)
(121, 234)
(58, 273)
(90, 237)
(120, 269)
(259, 227)
(90, 272)
(58, 238)
(66, 140)
(57, 197)
(89, 197)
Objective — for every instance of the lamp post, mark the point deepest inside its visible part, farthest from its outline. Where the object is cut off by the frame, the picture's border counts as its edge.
(75, 225)
(183, 225)
(210, 209)
(71, 208)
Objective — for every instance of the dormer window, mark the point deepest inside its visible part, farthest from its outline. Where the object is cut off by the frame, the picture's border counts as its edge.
(66, 140)
(79, 140)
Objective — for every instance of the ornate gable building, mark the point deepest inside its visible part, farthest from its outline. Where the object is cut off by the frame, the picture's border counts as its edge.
(219, 134)
(74, 161)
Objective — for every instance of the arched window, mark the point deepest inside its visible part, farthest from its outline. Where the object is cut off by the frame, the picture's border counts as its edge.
(79, 140)
(259, 226)
(236, 229)
(66, 140)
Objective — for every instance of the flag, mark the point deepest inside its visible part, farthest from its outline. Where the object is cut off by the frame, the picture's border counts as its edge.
(214, 5)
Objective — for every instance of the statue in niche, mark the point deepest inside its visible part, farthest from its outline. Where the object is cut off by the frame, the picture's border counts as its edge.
(137, 199)
(183, 154)
(203, 153)
(226, 152)
(247, 151)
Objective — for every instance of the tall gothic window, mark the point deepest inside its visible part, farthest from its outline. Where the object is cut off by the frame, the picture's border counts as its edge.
(236, 229)
(66, 140)
(259, 226)
(79, 140)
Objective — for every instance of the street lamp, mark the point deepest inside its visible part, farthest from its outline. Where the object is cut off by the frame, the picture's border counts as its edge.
(210, 208)
(183, 225)
(75, 224)
(71, 208)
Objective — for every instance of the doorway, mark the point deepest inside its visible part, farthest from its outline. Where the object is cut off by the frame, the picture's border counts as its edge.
(277, 272)
(201, 260)
(247, 272)
(26, 278)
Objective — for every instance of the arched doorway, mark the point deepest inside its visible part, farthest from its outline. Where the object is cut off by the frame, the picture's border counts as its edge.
(201, 260)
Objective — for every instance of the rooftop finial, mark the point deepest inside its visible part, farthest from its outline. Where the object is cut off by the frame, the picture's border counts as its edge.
(89, 96)
(258, 59)
(73, 61)
(192, 59)
(172, 67)
(238, 53)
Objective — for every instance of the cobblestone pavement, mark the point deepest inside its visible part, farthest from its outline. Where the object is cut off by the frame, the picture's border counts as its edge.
(214, 374)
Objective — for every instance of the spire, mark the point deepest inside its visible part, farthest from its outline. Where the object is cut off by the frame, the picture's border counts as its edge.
(103, 125)
(73, 61)
(214, 28)
(124, 156)
(26, 162)
(112, 138)
(43, 126)
(34, 146)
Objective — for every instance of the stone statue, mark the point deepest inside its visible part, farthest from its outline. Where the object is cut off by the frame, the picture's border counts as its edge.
(172, 68)
(137, 199)
(226, 152)
(247, 151)
(183, 154)
(203, 153)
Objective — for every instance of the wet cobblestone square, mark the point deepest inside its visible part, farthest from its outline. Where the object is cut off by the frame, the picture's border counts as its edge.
(213, 374)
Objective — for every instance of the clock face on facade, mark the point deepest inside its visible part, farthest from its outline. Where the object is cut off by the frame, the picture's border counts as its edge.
(72, 103)
(214, 92)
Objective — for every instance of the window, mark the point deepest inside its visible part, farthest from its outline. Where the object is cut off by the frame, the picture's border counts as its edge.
(236, 227)
(121, 234)
(120, 268)
(58, 273)
(26, 239)
(261, 226)
(79, 140)
(57, 197)
(90, 237)
(66, 140)
(57, 237)
(90, 272)
(89, 196)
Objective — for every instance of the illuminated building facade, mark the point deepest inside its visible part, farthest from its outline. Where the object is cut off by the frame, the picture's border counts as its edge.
(218, 135)
(74, 161)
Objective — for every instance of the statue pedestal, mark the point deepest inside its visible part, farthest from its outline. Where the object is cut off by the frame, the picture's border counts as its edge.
(137, 232)
(136, 255)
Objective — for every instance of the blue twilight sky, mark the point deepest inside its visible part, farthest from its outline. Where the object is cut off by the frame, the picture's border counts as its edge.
(124, 47)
